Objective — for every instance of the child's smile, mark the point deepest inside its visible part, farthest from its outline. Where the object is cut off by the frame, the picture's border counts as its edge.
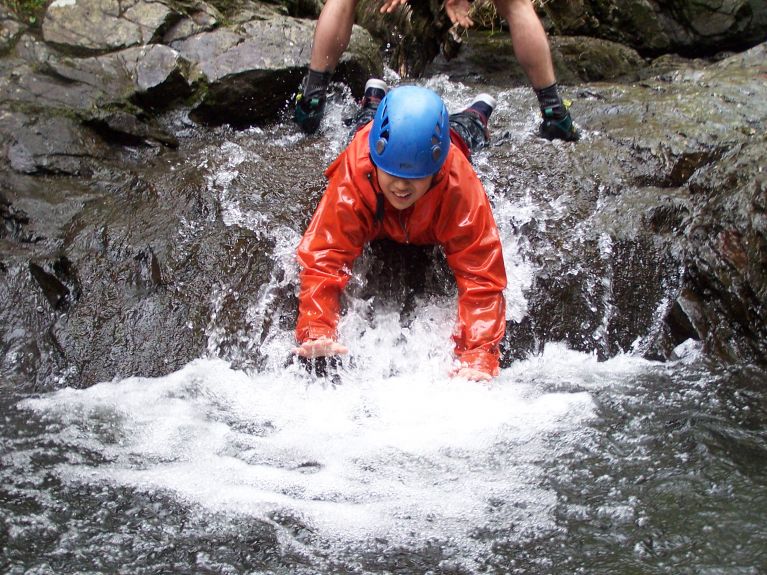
(402, 192)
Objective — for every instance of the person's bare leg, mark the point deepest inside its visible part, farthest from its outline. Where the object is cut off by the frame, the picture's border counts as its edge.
(532, 50)
(529, 41)
(331, 38)
(332, 34)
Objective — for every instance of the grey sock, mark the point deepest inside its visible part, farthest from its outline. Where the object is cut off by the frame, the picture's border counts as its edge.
(316, 83)
(551, 103)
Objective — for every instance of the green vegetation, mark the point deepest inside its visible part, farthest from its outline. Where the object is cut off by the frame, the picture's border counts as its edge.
(485, 16)
(483, 13)
(29, 11)
(226, 7)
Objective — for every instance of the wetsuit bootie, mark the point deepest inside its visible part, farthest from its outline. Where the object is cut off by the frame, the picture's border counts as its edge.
(375, 90)
(471, 123)
(482, 106)
(558, 126)
(310, 101)
(557, 123)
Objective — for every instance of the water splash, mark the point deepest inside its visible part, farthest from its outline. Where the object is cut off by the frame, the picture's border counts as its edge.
(404, 458)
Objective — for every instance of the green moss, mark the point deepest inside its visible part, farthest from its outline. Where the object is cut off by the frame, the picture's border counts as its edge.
(226, 7)
(29, 11)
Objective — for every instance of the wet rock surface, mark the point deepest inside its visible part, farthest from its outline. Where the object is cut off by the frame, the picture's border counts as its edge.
(654, 27)
(119, 254)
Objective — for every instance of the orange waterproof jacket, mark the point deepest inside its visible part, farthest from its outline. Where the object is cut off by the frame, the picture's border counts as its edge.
(455, 213)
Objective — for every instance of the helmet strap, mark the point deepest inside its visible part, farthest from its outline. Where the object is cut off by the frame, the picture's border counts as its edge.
(379, 215)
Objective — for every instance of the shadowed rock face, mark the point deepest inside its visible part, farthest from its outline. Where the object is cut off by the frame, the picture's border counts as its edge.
(141, 231)
(653, 27)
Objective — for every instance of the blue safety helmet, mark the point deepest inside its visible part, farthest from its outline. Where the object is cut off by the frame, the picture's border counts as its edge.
(410, 136)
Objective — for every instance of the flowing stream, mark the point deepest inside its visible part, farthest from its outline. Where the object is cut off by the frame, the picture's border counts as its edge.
(564, 464)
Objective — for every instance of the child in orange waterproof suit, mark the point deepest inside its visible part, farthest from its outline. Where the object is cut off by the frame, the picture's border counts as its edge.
(406, 176)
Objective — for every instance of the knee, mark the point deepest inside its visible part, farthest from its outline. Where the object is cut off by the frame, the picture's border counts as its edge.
(507, 7)
(334, 5)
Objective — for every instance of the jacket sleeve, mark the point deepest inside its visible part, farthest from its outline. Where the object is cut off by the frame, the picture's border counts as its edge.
(474, 253)
(334, 239)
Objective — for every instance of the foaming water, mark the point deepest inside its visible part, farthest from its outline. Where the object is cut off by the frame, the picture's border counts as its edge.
(562, 465)
(406, 458)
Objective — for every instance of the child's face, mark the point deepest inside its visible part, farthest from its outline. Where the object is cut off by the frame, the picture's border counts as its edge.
(402, 192)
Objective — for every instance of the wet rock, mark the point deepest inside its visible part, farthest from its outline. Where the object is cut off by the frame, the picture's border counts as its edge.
(121, 127)
(204, 48)
(604, 286)
(58, 282)
(642, 275)
(102, 25)
(55, 292)
(57, 145)
(13, 221)
(252, 70)
(202, 18)
(727, 255)
(147, 276)
(257, 62)
(594, 60)
(101, 91)
(653, 27)
(23, 86)
(489, 57)
(157, 75)
(10, 30)
(31, 357)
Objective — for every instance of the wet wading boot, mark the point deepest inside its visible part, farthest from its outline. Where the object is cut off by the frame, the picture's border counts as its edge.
(471, 123)
(375, 90)
(557, 123)
(558, 126)
(310, 101)
(309, 111)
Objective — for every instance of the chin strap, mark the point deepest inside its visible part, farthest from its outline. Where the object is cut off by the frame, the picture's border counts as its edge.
(379, 215)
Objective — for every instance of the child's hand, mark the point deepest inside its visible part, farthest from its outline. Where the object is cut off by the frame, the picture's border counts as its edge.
(320, 347)
(472, 374)
(458, 12)
(390, 6)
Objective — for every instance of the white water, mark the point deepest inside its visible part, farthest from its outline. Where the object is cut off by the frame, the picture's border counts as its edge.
(406, 458)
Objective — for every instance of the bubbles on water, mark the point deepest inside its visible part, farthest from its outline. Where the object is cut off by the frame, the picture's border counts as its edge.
(406, 458)
(391, 76)
(689, 351)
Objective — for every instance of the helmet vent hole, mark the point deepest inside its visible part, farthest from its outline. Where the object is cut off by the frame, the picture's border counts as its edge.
(410, 133)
